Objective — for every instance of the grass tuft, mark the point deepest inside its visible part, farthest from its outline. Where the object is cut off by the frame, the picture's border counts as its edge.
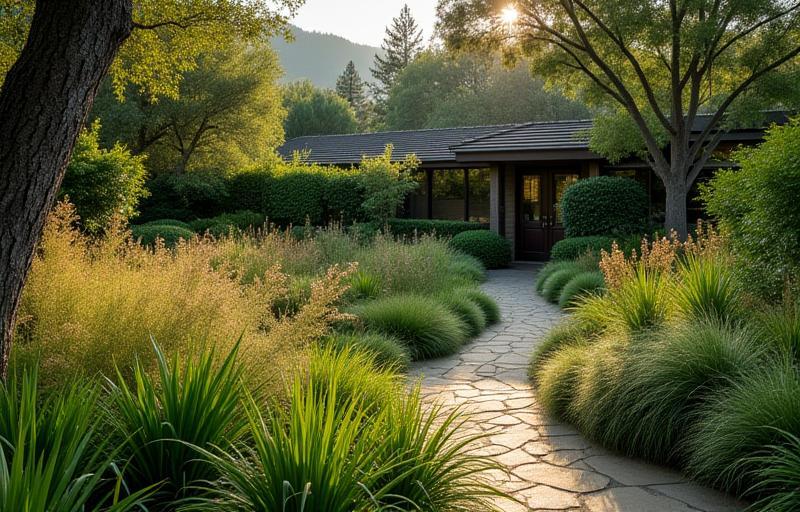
(465, 309)
(585, 283)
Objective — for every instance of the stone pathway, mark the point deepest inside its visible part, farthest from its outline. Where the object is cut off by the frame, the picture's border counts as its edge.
(550, 466)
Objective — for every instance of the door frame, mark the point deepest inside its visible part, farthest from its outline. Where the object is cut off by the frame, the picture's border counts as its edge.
(547, 172)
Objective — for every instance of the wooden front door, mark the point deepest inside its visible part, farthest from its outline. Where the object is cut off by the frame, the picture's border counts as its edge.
(539, 214)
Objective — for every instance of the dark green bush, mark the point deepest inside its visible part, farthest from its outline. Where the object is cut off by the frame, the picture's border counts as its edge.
(343, 197)
(296, 197)
(447, 228)
(491, 249)
(581, 285)
(147, 234)
(249, 190)
(169, 222)
(185, 196)
(604, 205)
(572, 248)
(223, 224)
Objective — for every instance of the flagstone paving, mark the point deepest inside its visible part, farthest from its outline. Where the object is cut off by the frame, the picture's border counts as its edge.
(548, 465)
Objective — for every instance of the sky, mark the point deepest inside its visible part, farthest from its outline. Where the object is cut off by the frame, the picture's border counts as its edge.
(362, 21)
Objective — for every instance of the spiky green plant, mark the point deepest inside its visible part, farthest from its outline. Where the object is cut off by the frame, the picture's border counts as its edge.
(423, 323)
(468, 311)
(557, 377)
(778, 475)
(193, 402)
(490, 308)
(364, 285)
(642, 302)
(50, 459)
(707, 289)
(585, 283)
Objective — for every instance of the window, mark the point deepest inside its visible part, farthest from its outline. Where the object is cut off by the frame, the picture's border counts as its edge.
(448, 194)
(417, 206)
(479, 185)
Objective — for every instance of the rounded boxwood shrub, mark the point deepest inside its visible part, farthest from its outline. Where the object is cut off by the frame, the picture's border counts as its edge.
(171, 235)
(573, 248)
(424, 324)
(491, 249)
(582, 284)
(604, 205)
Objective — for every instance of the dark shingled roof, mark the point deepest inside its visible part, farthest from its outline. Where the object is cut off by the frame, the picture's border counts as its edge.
(551, 136)
(430, 146)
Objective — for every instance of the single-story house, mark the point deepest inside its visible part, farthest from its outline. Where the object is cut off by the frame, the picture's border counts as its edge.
(510, 177)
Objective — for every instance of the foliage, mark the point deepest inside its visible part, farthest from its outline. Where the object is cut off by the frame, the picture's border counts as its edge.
(388, 352)
(557, 379)
(295, 294)
(103, 184)
(227, 113)
(424, 324)
(169, 222)
(51, 459)
(568, 331)
(583, 284)
(158, 422)
(572, 248)
(487, 304)
(469, 267)
(551, 289)
(778, 478)
(313, 111)
(184, 197)
(239, 221)
(551, 268)
(445, 228)
(757, 209)
(471, 315)
(779, 328)
(708, 290)
(350, 87)
(386, 184)
(604, 205)
(365, 286)
(491, 249)
(402, 44)
(169, 236)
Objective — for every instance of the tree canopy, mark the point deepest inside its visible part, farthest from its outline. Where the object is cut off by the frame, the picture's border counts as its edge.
(658, 65)
(402, 44)
(314, 111)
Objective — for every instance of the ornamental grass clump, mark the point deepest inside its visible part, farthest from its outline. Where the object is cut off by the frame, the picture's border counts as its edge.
(465, 309)
(708, 289)
(551, 289)
(427, 327)
(779, 328)
(557, 379)
(487, 304)
(583, 284)
(778, 475)
(388, 352)
(551, 268)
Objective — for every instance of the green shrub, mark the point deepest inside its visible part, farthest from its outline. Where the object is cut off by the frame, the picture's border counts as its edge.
(223, 224)
(549, 269)
(51, 458)
(557, 378)
(572, 248)
(551, 289)
(296, 197)
(468, 267)
(757, 208)
(160, 422)
(468, 311)
(409, 228)
(171, 235)
(390, 353)
(184, 196)
(249, 190)
(491, 249)
(169, 222)
(742, 423)
(386, 183)
(579, 286)
(487, 304)
(778, 476)
(708, 290)
(604, 205)
(424, 324)
(780, 328)
(665, 380)
(343, 196)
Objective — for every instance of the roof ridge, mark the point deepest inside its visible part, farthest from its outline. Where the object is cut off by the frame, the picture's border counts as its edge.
(452, 128)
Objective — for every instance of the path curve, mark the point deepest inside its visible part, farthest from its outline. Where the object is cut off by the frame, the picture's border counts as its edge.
(550, 466)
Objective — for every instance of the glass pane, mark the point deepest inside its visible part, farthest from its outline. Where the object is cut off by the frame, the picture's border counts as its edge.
(418, 199)
(448, 194)
(479, 184)
(532, 198)
(563, 182)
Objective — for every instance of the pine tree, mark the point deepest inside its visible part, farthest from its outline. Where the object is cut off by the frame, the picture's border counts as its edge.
(350, 87)
(402, 44)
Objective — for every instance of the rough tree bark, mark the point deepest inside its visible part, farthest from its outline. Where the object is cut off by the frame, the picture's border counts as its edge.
(44, 102)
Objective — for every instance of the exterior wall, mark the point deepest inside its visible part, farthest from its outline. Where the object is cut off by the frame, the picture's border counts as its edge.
(510, 206)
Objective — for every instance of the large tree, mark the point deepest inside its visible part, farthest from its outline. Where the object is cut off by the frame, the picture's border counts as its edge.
(402, 44)
(48, 91)
(655, 64)
(314, 111)
(350, 86)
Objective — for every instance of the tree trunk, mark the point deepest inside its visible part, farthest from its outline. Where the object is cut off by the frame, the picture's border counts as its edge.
(44, 102)
(676, 206)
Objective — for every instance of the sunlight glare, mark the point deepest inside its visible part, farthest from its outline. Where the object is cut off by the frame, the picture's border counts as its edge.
(509, 15)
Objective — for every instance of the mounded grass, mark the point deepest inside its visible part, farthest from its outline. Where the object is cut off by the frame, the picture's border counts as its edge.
(487, 304)
(469, 268)
(556, 282)
(568, 331)
(467, 310)
(364, 285)
(643, 301)
(585, 283)
(389, 353)
(424, 324)
(743, 422)
(557, 377)
(779, 328)
(778, 476)
(550, 269)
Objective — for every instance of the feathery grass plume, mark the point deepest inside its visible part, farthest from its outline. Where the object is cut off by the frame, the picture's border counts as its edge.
(423, 323)
(487, 304)
(194, 402)
(468, 311)
(667, 376)
(50, 457)
(742, 422)
(585, 283)
(778, 475)
(707, 289)
(389, 352)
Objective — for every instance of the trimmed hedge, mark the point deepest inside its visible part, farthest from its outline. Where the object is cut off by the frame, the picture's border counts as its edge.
(604, 205)
(491, 249)
(573, 248)
(446, 228)
(169, 222)
(222, 224)
(147, 234)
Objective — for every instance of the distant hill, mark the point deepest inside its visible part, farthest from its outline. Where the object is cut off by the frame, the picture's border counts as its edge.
(321, 58)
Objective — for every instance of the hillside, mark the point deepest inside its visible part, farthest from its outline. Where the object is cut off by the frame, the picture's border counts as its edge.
(321, 57)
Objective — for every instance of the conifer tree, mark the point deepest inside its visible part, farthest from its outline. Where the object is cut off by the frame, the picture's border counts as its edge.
(403, 42)
(350, 86)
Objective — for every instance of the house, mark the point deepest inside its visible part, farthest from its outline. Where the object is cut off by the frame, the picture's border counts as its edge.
(510, 177)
